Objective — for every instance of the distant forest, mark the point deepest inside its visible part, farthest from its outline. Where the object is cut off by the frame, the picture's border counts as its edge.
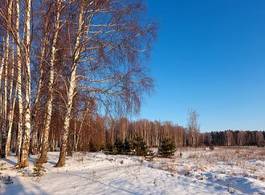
(95, 133)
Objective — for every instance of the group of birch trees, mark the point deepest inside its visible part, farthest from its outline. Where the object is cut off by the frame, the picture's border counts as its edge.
(64, 62)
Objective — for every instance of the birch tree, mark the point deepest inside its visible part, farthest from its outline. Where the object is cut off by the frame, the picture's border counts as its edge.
(96, 54)
(5, 66)
(72, 86)
(41, 80)
(49, 106)
(19, 82)
(27, 127)
(12, 102)
(193, 128)
(107, 48)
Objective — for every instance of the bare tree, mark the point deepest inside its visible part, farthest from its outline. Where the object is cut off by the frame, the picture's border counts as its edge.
(193, 128)
(49, 106)
(42, 63)
(4, 74)
(96, 55)
(19, 82)
(27, 127)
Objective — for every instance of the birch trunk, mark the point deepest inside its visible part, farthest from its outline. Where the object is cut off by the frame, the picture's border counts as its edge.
(26, 135)
(34, 138)
(12, 102)
(1, 76)
(1, 95)
(5, 102)
(71, 89)
(4, 115)
(48, 110)
(77, 133)
(19, 86)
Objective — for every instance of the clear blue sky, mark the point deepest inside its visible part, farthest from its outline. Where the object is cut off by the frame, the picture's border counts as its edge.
(210, 56)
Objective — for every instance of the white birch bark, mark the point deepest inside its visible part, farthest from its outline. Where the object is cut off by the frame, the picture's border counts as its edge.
(1, 95)
(12, 102)
(49, 106)
(1, 104)
(71, 89)
(26, 135)
(36, 104)
(5, 83)
(19, 84)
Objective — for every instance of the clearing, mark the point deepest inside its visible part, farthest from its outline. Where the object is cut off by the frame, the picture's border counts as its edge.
(227, 170)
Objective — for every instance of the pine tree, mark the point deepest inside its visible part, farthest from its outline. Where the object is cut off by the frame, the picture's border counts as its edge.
(118, 147)
(140, 147)
(127, 147)
(166, 148)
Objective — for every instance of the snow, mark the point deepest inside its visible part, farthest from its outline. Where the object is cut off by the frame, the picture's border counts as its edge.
(199, 171)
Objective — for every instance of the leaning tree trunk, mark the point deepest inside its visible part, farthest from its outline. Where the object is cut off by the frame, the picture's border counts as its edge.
(71, 89)
(26, 135)
(48, 111)
(36, 105)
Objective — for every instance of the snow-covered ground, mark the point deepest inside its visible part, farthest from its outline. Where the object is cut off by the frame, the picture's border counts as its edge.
(199, 171)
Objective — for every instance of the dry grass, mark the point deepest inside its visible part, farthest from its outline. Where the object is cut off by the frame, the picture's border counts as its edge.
(244, 161)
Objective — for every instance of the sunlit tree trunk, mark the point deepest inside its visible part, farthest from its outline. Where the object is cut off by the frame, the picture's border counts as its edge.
(12, 98)
(2, 116)
(19, 85)
(26, 135)
(71, 89)
(1, 76)
(34, 135)
(5, 83)
(49, 106)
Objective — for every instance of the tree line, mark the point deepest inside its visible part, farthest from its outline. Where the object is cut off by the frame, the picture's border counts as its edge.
(153, 132)
(96, 133)
(234, 138)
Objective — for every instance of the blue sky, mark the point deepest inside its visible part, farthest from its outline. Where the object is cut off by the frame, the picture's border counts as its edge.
(210, 56)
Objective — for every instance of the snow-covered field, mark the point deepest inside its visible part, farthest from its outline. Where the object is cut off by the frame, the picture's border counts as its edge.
(199, 171)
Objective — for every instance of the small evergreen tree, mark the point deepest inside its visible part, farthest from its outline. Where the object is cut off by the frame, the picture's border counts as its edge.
(118, 147)
(92, 147)
(166, 148)
(127, 147)
(108, 148)
(95, 146)
(140, 147)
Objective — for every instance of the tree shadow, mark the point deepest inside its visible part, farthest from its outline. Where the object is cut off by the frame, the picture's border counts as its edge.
(17, 187)
(9, 161)
(242, 184)
(114, 188)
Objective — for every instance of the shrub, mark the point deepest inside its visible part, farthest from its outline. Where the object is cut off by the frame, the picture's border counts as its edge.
(261, 144)
(6, 180)
(166, 148)
(38, 170)
(93, 147)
